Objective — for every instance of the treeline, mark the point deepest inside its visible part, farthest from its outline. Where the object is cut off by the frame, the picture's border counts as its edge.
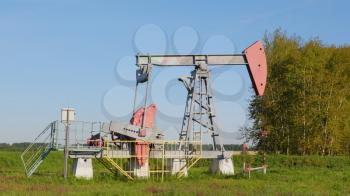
(15, 146)
(306, 106)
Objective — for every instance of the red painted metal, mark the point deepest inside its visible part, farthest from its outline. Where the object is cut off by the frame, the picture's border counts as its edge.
(257, 66)
(245, 147)
(141, 151)
(95, 140)
(142, 148)
(137, 118)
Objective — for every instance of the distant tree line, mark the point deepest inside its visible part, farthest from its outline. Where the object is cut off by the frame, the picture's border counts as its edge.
(306, 106)
(15, 146)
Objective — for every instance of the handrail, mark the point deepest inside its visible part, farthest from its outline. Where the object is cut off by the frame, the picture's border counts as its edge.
(38, 149)
(27, 149)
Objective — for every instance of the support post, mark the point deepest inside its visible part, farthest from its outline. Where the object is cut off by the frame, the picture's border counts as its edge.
(66, 142)
(67, 115)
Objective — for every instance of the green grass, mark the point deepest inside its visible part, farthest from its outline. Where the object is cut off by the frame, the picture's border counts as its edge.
(287, 175)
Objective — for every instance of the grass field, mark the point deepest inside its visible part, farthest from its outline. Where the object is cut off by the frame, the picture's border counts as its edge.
(287, 175)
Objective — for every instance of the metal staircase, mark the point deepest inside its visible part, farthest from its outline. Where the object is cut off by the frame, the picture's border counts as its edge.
(38, 150)
(107, 165)
(107, 161)
(112, 166)
(191, 159)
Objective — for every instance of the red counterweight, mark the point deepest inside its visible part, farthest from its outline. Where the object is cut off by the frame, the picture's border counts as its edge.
(142, 148)
(257, 66)
(137, 117)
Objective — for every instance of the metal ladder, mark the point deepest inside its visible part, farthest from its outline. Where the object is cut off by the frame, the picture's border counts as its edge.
(38, 150)
(106, 160)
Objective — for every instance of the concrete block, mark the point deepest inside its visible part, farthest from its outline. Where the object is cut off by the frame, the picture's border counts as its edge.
(176, 165)
(222, 166)
(140, 171)
(82, 168)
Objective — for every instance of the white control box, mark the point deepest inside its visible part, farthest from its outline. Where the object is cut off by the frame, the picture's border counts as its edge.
(67, 114)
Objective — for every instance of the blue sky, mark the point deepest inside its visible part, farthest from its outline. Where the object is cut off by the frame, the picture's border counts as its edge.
(66, 53)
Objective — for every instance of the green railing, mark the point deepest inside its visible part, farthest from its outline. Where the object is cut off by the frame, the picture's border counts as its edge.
(38, 150)
(52, 138)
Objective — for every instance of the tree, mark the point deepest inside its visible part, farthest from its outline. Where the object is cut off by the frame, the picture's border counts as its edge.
(305, 109)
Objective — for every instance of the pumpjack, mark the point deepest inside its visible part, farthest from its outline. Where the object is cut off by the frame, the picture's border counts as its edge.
(139, 140)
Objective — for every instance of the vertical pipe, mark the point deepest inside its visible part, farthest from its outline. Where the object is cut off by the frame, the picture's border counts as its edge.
(66, 147)
(135, 98)
(163, 143)
(145, 103)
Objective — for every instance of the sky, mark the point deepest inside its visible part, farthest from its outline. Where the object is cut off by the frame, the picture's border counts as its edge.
(80, 54)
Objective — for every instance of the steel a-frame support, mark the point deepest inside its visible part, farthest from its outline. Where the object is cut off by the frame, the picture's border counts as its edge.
(199, 117)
